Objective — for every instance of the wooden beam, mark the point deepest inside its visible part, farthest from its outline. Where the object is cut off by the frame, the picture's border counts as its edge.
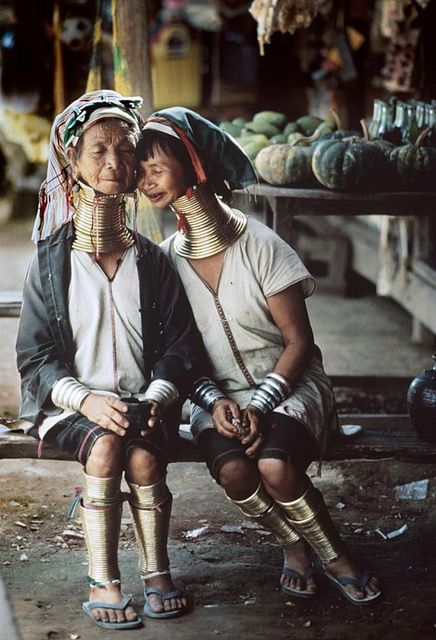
(133, 30)
(383, 436)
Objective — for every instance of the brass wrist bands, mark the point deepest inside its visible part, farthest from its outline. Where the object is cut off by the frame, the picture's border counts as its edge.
(261, 508)
(310, 517)
(101, 526)
(273, 389)
(205, 393)
(150, 507)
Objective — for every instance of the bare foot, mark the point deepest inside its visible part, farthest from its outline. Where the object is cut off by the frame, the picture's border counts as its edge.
(165, 584)
(111, 593)
(297, 557)
(344, 567)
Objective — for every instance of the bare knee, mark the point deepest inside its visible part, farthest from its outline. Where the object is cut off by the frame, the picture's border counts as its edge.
(281, 477)
(104, 460)
(238, 478)
(142, 467)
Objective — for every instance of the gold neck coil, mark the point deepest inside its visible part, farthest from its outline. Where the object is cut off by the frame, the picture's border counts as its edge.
(100, 221)
(206, 225)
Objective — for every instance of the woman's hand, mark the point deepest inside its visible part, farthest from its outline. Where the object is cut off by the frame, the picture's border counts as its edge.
(224, 413)
(155, 419)
(253, 421)
(106, 411)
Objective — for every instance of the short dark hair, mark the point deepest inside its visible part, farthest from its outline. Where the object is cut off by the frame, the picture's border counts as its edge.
(151, 140)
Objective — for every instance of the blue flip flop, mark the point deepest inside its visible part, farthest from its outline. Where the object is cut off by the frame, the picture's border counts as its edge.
(88, 607)
(163, 595)
(298, 593)
(341, 583)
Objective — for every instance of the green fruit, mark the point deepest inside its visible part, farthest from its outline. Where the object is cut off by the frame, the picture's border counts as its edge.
(230, 128)
(291, 127)
(282, 164)
(350, 164)
(272, 117)
(239, 122)
(254, 147)
(252, 137)
(279, 138)
(262, 127)
(293, 137)
(415, 166)
(308, 124)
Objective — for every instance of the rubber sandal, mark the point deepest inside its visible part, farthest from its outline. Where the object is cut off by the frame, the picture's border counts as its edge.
(88, 607)
(163, 595)
(341, 583)
(298, 593)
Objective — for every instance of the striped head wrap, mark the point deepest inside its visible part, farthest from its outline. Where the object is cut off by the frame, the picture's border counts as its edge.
(55, 207)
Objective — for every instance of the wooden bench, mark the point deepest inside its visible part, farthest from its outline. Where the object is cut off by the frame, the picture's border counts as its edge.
(390, 437)
(383, 436)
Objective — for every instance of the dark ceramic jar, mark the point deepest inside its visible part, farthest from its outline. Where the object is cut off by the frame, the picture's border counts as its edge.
(421, 403)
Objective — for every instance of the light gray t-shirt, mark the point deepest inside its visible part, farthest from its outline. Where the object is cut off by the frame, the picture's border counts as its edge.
(239, 334)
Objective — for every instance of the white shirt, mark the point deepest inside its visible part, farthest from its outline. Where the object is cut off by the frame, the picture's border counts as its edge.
(239, 334)
(106, 324)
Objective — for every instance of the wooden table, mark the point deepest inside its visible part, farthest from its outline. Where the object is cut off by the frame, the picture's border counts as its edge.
(286, 202)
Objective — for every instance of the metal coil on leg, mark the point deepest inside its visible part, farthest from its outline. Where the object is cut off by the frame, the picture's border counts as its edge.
(101, 526)
(310, 517)
(261, 508)
(150, 507)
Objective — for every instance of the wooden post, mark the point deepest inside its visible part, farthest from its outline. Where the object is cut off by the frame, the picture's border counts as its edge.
(132, 28)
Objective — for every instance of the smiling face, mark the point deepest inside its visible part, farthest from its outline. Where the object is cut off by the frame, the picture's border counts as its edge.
(105, 157)
(161, 178)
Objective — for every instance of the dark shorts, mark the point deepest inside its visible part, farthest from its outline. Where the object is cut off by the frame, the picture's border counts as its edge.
(77, 435)
(285, 439)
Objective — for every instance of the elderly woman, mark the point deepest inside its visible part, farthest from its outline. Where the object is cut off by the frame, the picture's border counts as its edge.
(267, 411)
(105, 318)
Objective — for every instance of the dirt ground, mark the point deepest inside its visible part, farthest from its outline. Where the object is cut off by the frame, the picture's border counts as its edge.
(231, 574)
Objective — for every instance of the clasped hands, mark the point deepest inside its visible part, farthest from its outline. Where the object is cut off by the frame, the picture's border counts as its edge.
(109, 412)
(246, 424)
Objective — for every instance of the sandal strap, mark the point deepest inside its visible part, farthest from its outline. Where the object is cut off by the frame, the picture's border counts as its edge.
(359, 584)
(164, 595)
(292, 573)
(117, 606)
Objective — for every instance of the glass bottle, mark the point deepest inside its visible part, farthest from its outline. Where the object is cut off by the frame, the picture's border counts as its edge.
(375, 119)
(399, 123)
(410, 131)
(385, 128)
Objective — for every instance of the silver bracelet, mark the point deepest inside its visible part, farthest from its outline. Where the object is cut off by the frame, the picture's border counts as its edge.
(69, 393)
(273, 389)
(205, 393)
(161, 391)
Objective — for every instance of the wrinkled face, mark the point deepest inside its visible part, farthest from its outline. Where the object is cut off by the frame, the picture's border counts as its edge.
(161, 179)
(105, 157)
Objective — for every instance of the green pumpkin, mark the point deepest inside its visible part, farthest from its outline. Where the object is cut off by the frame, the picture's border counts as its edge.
(415, 165)
(350, 164)
(285, 165)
